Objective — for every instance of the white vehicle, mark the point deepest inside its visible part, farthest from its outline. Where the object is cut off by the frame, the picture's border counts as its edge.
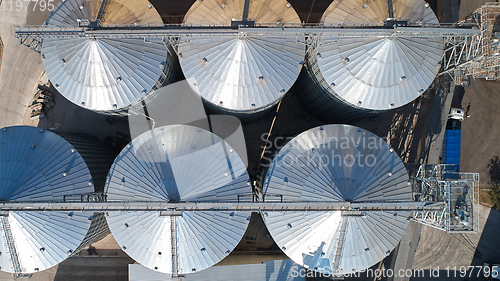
(491, 271)
(456, 114)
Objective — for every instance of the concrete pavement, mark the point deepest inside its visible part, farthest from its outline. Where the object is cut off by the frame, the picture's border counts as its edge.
(439, 248)
(21, 67)
(407, 248)
(481, 132)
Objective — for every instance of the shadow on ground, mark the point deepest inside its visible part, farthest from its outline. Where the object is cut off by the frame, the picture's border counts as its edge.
(94, 268)
(402, 128)
(488, 248)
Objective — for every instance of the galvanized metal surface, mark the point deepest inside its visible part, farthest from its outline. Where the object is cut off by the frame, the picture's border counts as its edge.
(337, 163)
(177, 208)
(379, 74)
(178, 163)
(9, 241)
(458, 191)
(272, 270)
(165, 31)
(222, 12)
(43, 240)
(103, 74)
(38, 165)
(116, 12)
(354, 77)
(350, 12)
(244, 74)
(284, 270)
(97, 156)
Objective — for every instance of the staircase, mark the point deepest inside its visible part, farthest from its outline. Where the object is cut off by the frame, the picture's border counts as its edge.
(340, 244)
(10, 244)
(173, 237)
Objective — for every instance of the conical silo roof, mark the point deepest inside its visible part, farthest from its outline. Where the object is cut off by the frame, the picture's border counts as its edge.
(351, 12)
(103, 73)
(337, 163)
(376, 73)
(178, 164)
(39, 165)
(241, 74)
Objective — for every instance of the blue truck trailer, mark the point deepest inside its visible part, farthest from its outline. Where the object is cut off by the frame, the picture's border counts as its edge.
(452, 142)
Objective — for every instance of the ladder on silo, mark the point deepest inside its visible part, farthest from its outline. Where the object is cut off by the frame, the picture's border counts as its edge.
(102, 9)
(10, 244)
(173, 237)
(340, 244)
(390, 8)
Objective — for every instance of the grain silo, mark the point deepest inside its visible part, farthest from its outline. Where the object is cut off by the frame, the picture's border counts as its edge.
(178, 163)
(39, 165)
(337, 163)
(352, 77)
(243, 76)
(105, 74)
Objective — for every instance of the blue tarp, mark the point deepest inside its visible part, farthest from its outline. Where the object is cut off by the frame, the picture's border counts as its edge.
(451, 147)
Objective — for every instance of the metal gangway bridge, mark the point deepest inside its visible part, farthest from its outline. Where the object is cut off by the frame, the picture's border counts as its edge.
(440, 197)
(471, 47)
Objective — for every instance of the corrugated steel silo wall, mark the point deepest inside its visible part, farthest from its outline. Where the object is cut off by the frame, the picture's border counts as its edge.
(96, 154)
(97, 231)
(171, 73)
(245, 116)
(320, 100)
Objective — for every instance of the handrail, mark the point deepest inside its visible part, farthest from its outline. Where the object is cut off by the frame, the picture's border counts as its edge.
(160, 31)
(109, 206)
